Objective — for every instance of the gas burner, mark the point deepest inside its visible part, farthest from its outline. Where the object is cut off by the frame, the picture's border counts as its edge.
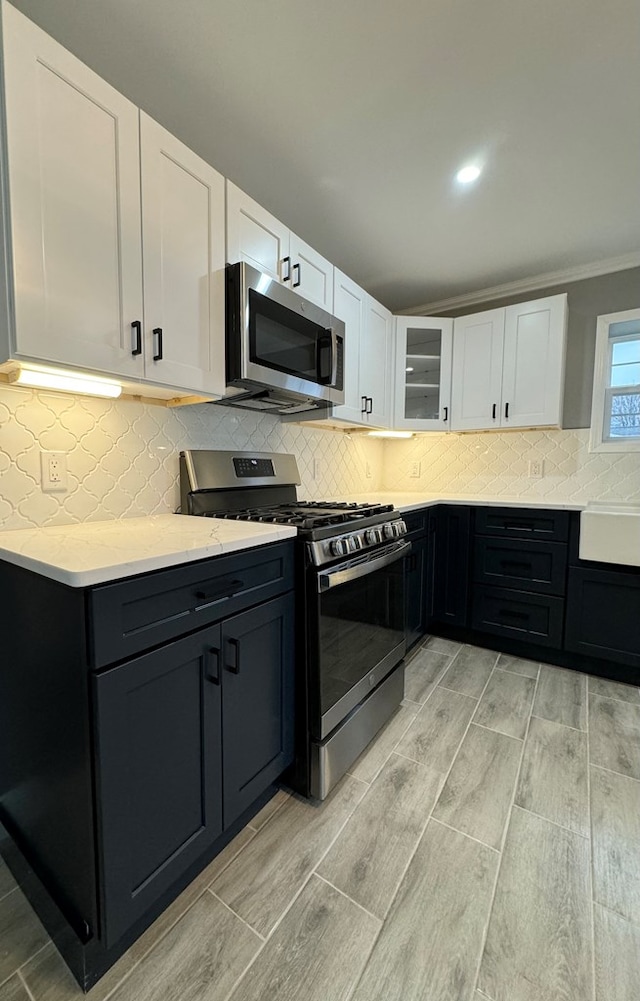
(308, 515)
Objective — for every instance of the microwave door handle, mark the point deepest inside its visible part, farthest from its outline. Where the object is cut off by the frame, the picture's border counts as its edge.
(324, 377)
(334, 357)
(345, 574)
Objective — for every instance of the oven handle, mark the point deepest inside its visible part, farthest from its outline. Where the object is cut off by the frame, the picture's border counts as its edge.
(334, 578)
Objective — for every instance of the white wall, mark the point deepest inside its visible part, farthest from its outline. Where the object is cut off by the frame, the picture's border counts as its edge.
(123, 456)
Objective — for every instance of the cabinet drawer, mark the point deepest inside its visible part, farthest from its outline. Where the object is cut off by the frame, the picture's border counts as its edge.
(416, 522)
(603, 615)
(130, 616)
(527, 566)
(523, 523)
(535, 618)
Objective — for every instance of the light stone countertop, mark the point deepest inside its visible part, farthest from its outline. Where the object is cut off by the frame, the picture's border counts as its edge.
(410, 500)
(95, 552)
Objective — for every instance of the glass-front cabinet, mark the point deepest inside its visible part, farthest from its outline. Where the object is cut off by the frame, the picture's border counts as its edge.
(423, 373)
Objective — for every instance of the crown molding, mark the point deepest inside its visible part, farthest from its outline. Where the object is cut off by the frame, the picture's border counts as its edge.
(608, 266)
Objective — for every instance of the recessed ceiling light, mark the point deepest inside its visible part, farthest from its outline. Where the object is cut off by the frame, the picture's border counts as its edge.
(468, 174)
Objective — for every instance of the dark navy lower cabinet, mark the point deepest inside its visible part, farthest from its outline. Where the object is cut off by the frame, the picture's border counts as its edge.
(416, 591)
(142, 723)
(257, 667)
(449, 541)
(159, 772)
(603, 615)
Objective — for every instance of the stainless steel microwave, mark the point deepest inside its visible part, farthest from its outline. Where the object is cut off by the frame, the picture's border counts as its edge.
(283, 353)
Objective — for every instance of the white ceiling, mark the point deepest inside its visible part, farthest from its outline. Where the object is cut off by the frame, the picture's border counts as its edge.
(348, 119)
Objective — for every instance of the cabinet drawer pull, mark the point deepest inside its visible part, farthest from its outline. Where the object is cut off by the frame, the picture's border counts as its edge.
(212, 665)
(297, 283)
(287, 261)
(225, 589)
(516, 564)
(232, 658)
(157, 332)
(136, 326)
(508, 613)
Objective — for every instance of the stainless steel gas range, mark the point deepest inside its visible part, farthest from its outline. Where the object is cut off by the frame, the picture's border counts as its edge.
(350, 591)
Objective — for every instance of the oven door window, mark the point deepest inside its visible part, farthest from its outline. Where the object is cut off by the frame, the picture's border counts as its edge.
(282, 340)
(361, 638)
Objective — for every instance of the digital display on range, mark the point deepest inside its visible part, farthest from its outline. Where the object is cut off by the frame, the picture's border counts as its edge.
(247, 467)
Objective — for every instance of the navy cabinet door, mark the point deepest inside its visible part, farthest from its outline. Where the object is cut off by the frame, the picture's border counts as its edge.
(603, 615)
(416, 601)
(258, 707)
(158, 746)
(450, 528)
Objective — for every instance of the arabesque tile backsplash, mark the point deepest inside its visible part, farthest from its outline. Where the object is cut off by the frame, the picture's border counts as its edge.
(122, 458)
(497, 464)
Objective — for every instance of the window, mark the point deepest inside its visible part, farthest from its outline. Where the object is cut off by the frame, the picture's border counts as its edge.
(615, 413)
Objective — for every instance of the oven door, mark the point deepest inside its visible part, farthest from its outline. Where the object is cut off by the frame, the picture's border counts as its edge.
(360, 633)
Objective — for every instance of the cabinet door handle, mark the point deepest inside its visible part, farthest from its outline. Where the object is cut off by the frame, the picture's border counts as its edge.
(363, 402)
(225, 589)
(446, 414)
(212, 665)
(493, 411)
(296, 283)
(232, 657)
(369, 404)
(506, 410)
(287, 261)
(136, 326)
(157, 332)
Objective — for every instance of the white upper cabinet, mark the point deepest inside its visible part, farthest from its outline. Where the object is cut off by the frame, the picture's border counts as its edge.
(95, 189)
(257, 237)
(349, 306)
(533, 367)
(311, 273)
(477, 371)
(423, 373)
(74, 182)
(508, 366)
(376, 363)
(367, 365)
(183, 241)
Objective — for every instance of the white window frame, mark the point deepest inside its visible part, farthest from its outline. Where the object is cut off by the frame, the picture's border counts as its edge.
(602, 389)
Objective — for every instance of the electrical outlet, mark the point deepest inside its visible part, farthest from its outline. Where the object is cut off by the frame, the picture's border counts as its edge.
(414, 469)
(536, 468)
(317, 469)
(53, 468)
(367, 470)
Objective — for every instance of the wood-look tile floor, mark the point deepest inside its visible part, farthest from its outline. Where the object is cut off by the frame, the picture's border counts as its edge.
(486, 845)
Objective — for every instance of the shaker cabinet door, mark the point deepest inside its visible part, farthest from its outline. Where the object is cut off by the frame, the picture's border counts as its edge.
(376, 380)
(311, 274)
(74, 184)
(349, 304)
(477, 371)
(184, 257)
(256, 236)
(158, 760)
(533, 367)
(257, 707)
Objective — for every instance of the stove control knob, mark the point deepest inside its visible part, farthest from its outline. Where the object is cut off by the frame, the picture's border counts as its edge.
(372, 535)
(339, 547)
(388, 531)
(356, 543)
(402, 528)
